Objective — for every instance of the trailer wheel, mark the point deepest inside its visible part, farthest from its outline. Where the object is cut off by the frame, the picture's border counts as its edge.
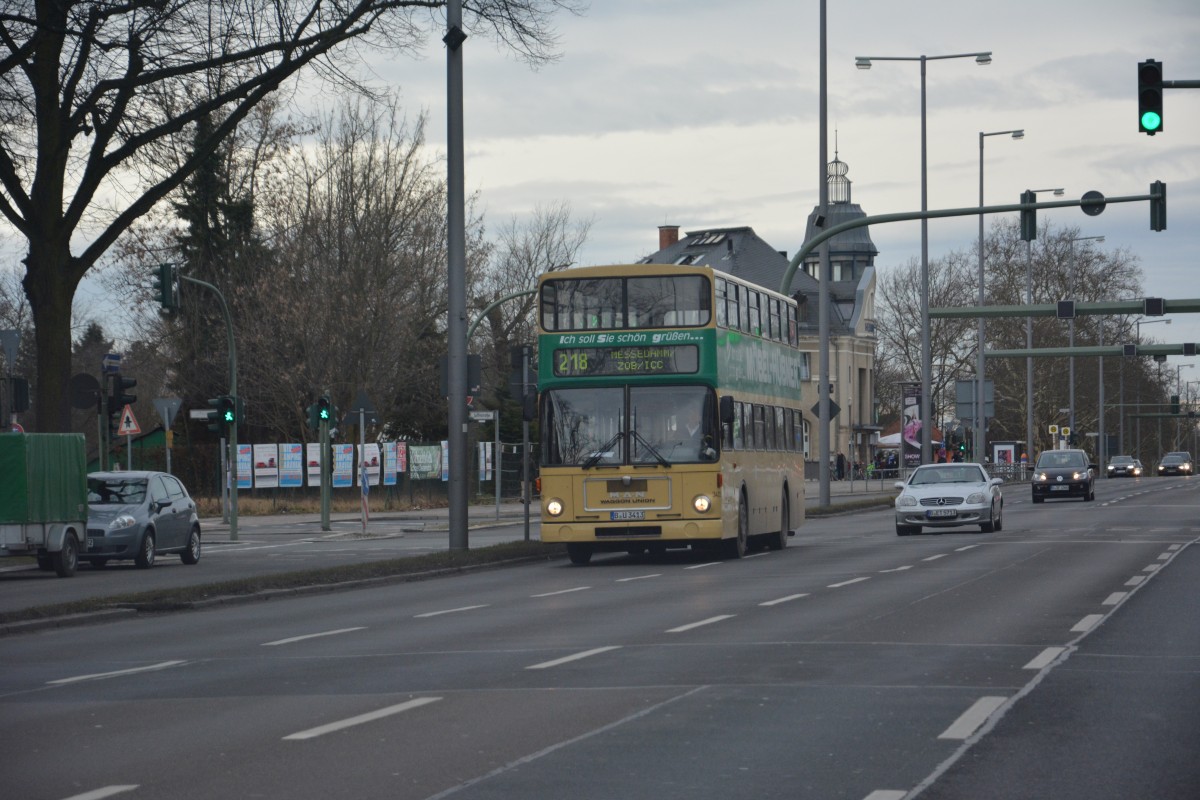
(67, 559)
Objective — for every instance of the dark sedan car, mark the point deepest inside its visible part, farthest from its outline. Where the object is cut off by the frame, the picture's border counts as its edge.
(1063, 473)
(1175, 464)
(136, 515)
(1124, 467)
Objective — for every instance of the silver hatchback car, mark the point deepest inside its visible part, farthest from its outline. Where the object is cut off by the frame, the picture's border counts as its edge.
(136, 515)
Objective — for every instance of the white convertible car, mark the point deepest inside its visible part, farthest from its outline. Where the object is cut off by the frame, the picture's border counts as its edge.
(948, 495)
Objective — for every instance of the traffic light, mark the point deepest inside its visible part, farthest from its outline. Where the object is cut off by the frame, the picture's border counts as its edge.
(324, 410)
(222, 414)
(1158, 206)
(228, 409)
(119, 398)
(1174, 404)
(166, 288)
(1028, 218)
(20, 395)
(1150, 100)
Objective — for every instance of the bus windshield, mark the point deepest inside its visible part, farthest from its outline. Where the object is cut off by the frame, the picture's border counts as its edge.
(629, 425)
(655, 301)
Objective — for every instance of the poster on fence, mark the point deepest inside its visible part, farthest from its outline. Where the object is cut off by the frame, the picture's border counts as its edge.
(343, 465)
(369, 461)
(291, 465)
(266, 466)
(313, 463)
(485, 461)
(244, 464)
(389, 463)
(424, 463)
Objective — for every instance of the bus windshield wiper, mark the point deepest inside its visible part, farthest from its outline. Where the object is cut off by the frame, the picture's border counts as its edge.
(601, 450)
(650, 447)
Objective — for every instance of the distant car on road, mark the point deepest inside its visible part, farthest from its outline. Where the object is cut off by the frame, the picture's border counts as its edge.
(948, 495)
(1124, 467)
(1063, 473)
(1175, 464)
(137, 515)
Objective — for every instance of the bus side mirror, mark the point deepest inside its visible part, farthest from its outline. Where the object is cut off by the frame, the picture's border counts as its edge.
(726, 410)
(529, 408)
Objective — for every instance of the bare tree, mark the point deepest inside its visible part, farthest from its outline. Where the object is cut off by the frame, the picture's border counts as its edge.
(99, 102)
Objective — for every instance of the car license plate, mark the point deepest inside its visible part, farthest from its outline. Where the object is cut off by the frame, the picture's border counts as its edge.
(90, 543)
(1060, 488)
(941, 512)
(622, 516)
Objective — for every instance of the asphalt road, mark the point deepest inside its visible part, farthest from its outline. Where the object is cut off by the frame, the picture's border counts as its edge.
(1056, 658)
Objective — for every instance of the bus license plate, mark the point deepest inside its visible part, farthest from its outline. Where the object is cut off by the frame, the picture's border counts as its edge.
(941, 512)
(624, 516)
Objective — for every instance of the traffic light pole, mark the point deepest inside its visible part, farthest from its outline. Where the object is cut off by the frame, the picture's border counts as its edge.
(233, 392)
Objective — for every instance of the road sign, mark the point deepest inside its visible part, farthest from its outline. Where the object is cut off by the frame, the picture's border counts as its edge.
(1053, 429)
(1066, 431)
(129, 425)
(167, 408)
(483, 416)
(834, 408)
(111, 363)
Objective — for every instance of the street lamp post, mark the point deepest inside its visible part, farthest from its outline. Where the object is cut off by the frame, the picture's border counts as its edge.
(864, 62)
(1179, 393)
(980, 403)
(1071, 325)
(1137, 440)
(1058, 192)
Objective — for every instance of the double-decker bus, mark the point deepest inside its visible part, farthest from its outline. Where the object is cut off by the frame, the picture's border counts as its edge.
(669, 410)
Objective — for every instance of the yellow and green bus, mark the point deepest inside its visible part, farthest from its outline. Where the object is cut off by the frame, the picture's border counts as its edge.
(669, 403)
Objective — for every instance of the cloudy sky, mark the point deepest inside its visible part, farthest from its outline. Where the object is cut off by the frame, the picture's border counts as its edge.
(705, 112)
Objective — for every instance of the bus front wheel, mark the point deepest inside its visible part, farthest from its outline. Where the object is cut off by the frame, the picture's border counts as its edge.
(579, 554)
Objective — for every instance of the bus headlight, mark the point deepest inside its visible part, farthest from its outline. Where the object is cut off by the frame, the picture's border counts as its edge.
(554, 507)
(701, 503)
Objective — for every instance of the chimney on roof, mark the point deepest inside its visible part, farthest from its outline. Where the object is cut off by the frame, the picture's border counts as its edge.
(667, 236)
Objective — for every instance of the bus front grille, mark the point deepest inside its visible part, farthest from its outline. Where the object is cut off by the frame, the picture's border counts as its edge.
(635, 530)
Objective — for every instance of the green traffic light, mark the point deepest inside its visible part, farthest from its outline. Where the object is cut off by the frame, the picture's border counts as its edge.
(1151, 121)
(229, 416)
(324, 413)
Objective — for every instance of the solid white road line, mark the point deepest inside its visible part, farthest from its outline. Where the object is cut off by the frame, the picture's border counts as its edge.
(1114, 598)
(789, 598)
(846, 583)
(1135, 580)
(1045, 657)
(639, 577)
(708, 621)
(116, 673)
(562, 591)
(311, 636)
(575, 657)
(312, 733)
(972, 718)
(107, 791)
(896, 569)
(428, 614)
(1087, 623)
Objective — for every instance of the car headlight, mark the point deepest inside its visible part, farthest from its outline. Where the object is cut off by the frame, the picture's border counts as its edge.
(1110, 466)
(1137, 471)
(1041, 476)
(906, 500)
(1077, 476)
(554, 507)
(975, 498)
(701, 503)
(121, 522)
(1160, 467)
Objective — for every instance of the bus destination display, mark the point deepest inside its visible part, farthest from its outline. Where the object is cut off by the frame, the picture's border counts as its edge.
(666, 359)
